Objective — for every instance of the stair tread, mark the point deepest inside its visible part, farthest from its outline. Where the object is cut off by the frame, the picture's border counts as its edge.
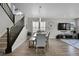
(4, 35)
(3, 38)
(3, 48)
(3, 43)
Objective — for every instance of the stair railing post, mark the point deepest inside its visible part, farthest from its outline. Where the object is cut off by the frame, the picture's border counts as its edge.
(14, 19)
(8, 49)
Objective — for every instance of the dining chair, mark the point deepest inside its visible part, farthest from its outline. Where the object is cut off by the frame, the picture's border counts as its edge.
(40, 41)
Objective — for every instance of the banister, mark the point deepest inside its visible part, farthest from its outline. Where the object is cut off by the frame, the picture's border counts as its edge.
(12, 34)
(8, 11)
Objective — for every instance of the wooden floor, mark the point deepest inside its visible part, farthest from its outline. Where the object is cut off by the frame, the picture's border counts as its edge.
(56, 48)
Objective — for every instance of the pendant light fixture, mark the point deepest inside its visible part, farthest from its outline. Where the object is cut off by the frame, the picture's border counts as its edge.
(39, 16)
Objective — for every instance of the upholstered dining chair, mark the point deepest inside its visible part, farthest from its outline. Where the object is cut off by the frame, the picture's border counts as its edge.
(40, 41)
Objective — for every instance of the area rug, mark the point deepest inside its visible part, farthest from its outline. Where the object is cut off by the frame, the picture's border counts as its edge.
(72, 42)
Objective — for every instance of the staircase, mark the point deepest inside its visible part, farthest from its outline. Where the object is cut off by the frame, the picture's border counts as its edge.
(3, 44)
(8, 39)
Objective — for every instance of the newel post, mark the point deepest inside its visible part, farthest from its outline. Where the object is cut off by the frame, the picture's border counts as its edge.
(8, 49)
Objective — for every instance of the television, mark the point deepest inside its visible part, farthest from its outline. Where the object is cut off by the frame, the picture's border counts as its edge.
(64, 26)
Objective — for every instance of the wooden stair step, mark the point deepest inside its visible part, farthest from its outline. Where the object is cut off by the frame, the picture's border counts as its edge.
(3, 42)
(5, 38)
(3, 45)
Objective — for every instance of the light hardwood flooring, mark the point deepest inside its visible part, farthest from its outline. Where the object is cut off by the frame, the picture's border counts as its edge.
(56, 48)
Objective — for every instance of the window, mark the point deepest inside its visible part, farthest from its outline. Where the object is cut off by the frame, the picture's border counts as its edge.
(36, 26)
(42, 26)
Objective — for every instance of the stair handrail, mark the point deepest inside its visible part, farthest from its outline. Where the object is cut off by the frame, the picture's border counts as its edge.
(8, 11)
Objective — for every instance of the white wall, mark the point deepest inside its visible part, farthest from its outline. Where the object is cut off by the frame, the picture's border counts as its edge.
(20, 39)
(77, 25)
(54, 22)
(4, 22)
(50, 10)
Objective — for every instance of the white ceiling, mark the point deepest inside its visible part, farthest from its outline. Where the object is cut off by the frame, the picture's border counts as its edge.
(49, 9)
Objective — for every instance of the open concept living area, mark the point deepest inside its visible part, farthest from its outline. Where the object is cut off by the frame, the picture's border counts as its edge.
(39, 29)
